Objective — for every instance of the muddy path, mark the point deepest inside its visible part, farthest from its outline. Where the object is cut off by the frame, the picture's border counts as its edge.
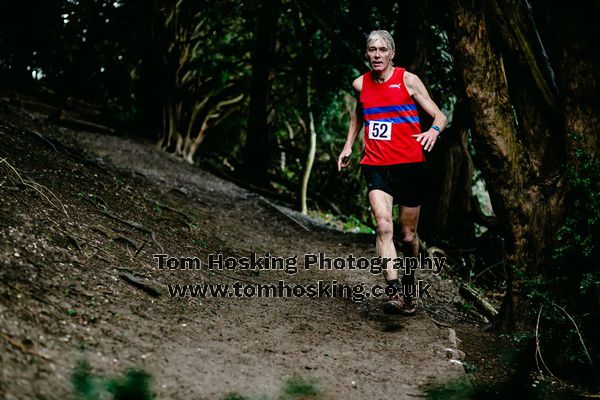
(83, 214)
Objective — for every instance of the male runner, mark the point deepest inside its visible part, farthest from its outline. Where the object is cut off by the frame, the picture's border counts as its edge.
(393, 161)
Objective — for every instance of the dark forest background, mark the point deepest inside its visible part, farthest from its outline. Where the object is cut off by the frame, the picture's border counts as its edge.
(260, 92)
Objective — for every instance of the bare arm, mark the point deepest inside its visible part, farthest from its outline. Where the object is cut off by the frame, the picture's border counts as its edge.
(356, 123)
(416, 89)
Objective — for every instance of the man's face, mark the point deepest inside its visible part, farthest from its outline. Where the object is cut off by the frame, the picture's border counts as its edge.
(380, 55)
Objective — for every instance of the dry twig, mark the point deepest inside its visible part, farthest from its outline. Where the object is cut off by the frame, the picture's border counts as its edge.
(577, 329)
(538, 351)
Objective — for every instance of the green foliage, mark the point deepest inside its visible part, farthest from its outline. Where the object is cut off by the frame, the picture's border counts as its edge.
(456, 390)
(519, 338)
(144, 65)
(469, 367)
(300, 388)
(134, 385)
(83, 382)
(578, 239)
(443, 85)
(566, 296)
(235, 396)
(558, 332)
(200, 243)
(353, 224)
(463, 389)
(293, 388)
(590, 281)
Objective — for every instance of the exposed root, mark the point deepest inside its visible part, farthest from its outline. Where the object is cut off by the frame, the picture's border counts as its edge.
(438, 323)
(22, 348)
(434, 251)
(166, 207)
(233, 277)
(74, 241)
(284, 213)
(44, 139)
(89, 243)
(103, 209)
(140, 249)
(143, 284)
(37, 187)
(127, 241)
(100, 229)
(487, 269)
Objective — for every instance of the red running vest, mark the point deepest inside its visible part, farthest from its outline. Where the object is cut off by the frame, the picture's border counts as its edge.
(391, 118)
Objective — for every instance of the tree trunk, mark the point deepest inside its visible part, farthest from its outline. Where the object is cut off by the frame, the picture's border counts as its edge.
(527, 201)
(447, 209)
(532, 94)
(312, 144)
(257, 150)
(206, 120)
(571, 33)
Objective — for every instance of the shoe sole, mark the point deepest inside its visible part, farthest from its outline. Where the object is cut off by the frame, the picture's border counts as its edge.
(393, 309)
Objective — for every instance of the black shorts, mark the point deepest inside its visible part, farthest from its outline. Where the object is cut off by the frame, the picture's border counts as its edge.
(405, 182)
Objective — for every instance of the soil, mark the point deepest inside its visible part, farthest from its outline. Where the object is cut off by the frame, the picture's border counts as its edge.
(82, 215)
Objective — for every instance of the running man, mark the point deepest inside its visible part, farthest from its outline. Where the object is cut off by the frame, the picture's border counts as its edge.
(393, 161)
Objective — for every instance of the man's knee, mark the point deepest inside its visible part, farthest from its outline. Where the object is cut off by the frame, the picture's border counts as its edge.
(385, 227)
(409, 236)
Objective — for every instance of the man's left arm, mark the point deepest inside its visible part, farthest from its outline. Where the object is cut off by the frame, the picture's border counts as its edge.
(416, 89)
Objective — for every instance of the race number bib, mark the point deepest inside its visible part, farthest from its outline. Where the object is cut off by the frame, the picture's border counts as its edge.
(379, 130)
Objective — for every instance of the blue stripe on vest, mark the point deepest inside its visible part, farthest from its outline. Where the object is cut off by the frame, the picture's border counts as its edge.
(395, 120)
(385, 109)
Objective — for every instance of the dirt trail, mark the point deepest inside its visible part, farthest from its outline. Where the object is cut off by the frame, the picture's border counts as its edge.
(62, 297)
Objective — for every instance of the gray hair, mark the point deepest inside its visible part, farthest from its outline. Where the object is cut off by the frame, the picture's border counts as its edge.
(383, 35)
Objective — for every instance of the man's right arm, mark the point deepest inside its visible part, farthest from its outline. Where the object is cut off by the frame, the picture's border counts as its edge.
(356, 124)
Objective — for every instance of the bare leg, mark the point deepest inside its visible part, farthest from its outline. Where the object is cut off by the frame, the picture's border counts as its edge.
(381, 205)
(409, 218)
